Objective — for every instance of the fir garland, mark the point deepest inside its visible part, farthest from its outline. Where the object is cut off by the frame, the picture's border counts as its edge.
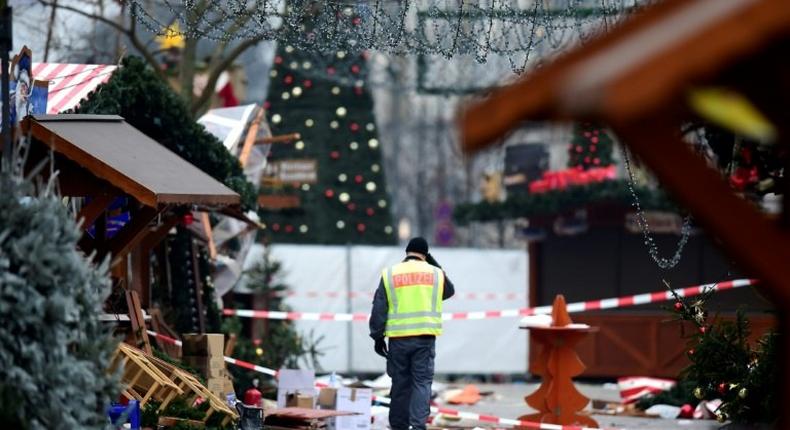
(553, 202)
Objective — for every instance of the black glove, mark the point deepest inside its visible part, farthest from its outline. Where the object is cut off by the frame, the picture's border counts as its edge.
(381, 347)
(432, 261)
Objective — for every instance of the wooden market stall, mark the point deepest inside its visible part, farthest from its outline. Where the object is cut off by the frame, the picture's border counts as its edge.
(128, 189)
(637, 79)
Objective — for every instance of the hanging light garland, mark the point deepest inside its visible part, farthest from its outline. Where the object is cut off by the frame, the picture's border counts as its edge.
(447, 28)
(652, 247)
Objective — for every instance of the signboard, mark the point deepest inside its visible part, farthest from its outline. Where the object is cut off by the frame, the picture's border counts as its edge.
(302, 171)
(28, 96)
(659, 222)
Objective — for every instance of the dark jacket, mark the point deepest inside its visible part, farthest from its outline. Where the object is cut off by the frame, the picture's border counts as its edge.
(378, 316)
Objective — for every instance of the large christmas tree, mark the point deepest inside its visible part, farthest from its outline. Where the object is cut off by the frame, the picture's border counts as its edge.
(325, 100)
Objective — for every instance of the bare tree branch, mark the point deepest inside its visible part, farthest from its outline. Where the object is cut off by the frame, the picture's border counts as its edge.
(216, 69)
(128, 32)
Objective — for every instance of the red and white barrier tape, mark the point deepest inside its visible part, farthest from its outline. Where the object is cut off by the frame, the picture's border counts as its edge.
(370, 294)
(610, 303)
(231, 360)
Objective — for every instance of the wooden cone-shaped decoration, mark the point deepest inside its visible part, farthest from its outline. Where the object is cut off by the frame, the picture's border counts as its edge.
(557, 400)
(559, 312)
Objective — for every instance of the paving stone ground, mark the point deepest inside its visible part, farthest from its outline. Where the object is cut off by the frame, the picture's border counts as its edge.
(508, 402)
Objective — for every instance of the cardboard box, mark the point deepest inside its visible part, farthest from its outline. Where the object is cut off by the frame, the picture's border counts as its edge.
(216, 386)
(300, 401)
(327, 398)
(357, 400)
(209, 367)
(295, 381)
(203, 345)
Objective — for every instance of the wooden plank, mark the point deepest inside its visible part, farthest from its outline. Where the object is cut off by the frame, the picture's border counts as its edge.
(230, 345)
(281, 138)
(132, 233)
(275, 202)
(141, 275)
(139, 333)
(90, 212)
(206, 223)
(158, 233)
(763, 248)
(584, 79)
(160, 326)
(252, 134)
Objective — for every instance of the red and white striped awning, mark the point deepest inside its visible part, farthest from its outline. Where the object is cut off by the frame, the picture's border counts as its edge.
(70, 83)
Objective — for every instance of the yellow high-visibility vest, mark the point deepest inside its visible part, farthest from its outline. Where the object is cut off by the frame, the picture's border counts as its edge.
(414, 295)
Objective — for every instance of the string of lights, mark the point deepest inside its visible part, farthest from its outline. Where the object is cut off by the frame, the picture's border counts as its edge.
(477, 29)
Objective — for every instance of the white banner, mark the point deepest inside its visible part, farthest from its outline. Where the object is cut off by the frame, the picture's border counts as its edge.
(475, 346)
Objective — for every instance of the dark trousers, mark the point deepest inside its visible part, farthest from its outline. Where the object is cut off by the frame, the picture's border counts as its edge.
(410, 365)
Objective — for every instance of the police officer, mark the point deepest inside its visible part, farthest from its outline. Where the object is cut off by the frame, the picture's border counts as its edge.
(407, 308)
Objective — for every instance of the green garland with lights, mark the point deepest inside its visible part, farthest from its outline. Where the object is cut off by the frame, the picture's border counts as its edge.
(525, 205)
(349, 202)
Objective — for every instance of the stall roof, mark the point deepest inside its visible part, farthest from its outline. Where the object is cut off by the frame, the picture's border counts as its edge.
(641, 66)
(113, 150)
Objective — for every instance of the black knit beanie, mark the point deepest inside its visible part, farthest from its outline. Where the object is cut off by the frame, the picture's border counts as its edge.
(417, 244)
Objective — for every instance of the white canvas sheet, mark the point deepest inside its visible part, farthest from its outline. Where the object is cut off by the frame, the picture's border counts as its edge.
(477, 346)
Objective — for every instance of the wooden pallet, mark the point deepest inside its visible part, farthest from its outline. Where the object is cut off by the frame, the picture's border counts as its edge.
(193, 389)
(142, 380)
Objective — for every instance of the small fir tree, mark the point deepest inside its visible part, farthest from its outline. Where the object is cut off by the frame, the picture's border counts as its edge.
(280, 345)
(591, 147)
(54, 351)
(725, 365)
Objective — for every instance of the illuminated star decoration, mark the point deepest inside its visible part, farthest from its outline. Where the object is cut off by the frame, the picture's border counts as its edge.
(171, 37)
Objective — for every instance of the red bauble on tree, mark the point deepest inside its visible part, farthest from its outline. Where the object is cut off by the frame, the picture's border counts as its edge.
(723, 388)
(352, 207)
(358, 179)
(288, 80)
(678, 306)
(361, 228)
(289, 228)
(307, 83)
(370, 212)
(276, 227)
(329, 193)
(703, 330)
(354, 127)
(334, 155)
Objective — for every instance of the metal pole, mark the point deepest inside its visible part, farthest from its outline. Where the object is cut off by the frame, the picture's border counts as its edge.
(5, 46)
(349, 327)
